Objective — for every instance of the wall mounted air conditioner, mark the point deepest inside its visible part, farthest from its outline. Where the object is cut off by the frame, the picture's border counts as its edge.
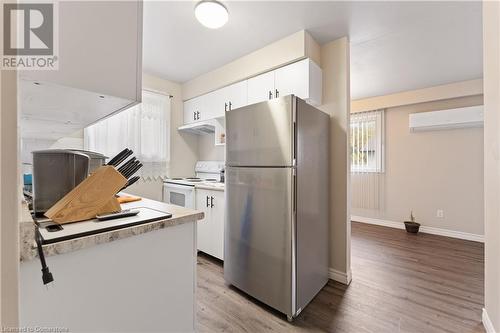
(447, 119)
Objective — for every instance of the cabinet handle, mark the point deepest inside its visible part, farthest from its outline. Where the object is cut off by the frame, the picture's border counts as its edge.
(230, 106)
(211, 202)
(225, 107)
(194, 115)
(270, 94)
(198, 115)
(276, 93)
(207, 202)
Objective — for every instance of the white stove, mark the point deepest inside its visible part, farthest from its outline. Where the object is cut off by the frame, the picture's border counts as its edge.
(181, 191)
(190, 181)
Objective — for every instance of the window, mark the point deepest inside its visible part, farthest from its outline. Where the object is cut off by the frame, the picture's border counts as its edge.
(367, 141)
(144, 128)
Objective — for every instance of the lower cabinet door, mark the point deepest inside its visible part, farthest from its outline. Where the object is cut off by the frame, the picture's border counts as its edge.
(210, 232)
(217, 216)
(203, 226)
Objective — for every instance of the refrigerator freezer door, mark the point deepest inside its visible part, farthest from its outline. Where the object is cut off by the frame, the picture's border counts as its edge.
(261, 134)
(258, 234)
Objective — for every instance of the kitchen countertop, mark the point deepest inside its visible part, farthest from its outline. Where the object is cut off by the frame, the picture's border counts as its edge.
(211, 186)
(28, 249)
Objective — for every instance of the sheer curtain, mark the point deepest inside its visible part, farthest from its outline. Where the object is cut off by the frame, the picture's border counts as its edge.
(144, 128)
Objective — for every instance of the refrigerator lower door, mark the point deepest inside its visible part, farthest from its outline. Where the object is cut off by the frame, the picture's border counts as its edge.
(261, 134)
(258, 234)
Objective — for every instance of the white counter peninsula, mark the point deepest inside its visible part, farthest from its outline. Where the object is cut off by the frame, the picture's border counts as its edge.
(139, 278)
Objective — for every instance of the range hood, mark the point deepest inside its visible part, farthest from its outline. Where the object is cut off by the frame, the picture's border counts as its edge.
(199, 127)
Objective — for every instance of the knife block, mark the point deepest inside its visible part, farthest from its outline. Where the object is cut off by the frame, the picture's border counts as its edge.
(94, 195)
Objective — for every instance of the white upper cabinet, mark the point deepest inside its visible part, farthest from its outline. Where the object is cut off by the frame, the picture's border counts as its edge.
(261, 88)
(236, 95)
(194, 109)
(217, 103)
(228, 98)
(302, 78)
(99, 69)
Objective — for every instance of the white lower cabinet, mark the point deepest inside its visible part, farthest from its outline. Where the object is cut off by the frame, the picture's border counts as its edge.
(210, 233)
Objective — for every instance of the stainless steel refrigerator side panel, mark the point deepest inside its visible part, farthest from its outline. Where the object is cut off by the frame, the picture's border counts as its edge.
(258, 234)
(312, 201)
(260, 134)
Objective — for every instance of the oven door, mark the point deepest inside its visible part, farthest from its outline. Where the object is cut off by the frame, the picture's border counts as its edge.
(180, 195)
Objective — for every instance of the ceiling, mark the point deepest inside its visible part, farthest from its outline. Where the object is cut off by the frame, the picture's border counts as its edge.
(395, 46)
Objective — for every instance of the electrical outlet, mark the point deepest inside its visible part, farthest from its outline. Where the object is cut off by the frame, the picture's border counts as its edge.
(440, 213)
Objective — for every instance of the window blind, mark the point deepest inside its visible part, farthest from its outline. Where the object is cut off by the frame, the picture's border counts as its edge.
(367, 141)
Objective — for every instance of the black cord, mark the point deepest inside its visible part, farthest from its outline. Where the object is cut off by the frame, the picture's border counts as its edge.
(46, 274)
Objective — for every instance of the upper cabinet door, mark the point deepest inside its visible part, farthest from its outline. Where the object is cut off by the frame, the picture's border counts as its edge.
(236, 95)
(227, 98)
(302, 78)
(216, 103)
(194, 109)
(292, 79)
(261, 88)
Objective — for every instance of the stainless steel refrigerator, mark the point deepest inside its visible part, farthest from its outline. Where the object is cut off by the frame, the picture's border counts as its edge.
(277, 180)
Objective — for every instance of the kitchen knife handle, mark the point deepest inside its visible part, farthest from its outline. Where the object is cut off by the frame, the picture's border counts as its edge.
(130, 182)
(128, 171)
(118, 156)
(126, 165)
(134, 169)
(123, 158)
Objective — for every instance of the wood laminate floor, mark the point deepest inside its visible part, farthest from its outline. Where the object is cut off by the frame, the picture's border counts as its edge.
(401, 283)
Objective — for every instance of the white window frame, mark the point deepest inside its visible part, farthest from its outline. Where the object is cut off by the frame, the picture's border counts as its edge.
(359, 134)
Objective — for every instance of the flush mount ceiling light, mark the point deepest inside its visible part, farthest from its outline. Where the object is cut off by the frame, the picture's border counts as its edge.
(212, 14)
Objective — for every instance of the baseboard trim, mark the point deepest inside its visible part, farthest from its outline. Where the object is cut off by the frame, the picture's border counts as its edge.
(488, 326)
(424, 229)
(342, 277)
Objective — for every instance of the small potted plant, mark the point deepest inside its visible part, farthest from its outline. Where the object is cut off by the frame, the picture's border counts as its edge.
(412, 226)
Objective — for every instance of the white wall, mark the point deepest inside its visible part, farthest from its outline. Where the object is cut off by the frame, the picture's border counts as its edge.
(491, 54)
(426, 171)
(207, 151)
(335, 63)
